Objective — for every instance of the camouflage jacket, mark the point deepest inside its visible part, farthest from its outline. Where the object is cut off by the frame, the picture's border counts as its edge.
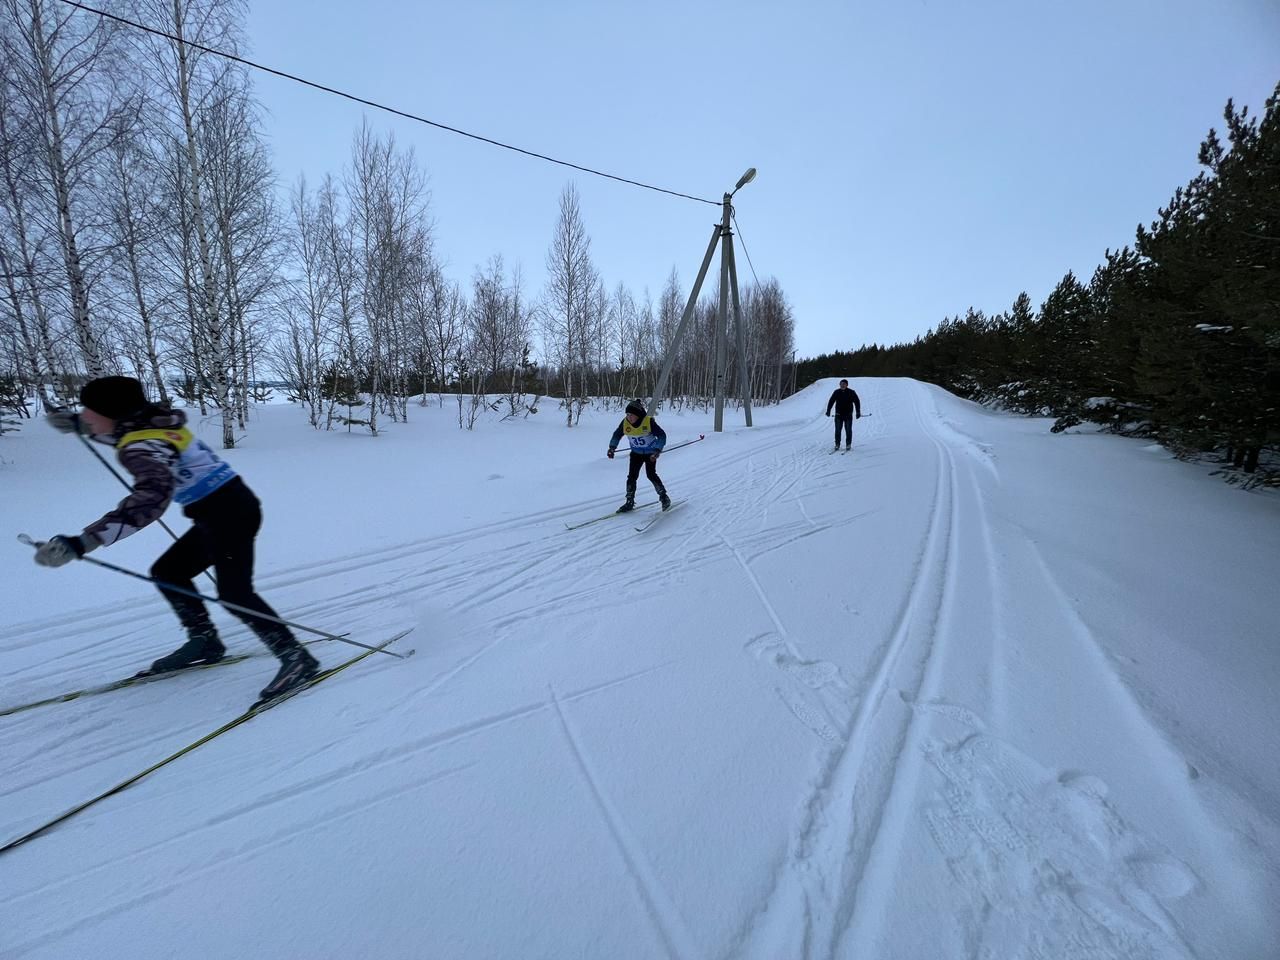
(167, 462)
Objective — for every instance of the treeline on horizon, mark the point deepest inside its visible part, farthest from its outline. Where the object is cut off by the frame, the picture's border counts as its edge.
(144, 231)
(1176, 338)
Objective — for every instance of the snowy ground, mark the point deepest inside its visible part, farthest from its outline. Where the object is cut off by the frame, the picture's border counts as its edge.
(972, 690)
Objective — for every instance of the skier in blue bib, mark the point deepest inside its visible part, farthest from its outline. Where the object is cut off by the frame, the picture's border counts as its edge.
(647, 440)
(169, 463)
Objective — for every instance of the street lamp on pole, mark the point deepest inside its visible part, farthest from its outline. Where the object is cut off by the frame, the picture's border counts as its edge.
(729, 286)
(722, 234)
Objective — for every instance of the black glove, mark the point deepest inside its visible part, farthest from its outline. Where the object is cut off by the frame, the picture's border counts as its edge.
(58, 550)
(653, 457)
(64, 420)
(610, 453)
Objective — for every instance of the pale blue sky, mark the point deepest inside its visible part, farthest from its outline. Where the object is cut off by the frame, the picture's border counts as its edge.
(915, 157)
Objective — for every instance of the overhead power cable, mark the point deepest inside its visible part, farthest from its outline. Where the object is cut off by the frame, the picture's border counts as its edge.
(380, 106)
(743, 241)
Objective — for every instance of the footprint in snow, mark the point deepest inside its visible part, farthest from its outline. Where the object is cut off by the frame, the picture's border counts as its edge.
(810, 689)
(1052, 868)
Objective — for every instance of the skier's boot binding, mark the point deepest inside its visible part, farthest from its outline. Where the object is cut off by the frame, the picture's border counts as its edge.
(664, 500)
(200, 649)
(297, 666)
(628, 505)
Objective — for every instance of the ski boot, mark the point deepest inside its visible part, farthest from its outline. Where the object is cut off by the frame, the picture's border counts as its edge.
(665, 500)
(202, 648)
(630, 503)
(297, 666)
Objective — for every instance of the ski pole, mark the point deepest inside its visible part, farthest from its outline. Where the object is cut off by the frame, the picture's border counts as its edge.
(22, 537)
(701, 436)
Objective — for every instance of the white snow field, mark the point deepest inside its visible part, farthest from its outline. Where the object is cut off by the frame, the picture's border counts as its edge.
(971, 690)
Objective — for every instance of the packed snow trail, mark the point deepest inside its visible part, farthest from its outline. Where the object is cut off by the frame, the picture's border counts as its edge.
(969, 690)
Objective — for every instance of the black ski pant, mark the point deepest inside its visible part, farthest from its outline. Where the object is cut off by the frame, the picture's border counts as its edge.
(225, 524)
(844, 420)
(650, 471)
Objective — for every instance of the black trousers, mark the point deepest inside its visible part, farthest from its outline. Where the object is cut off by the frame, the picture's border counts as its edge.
(225, 524)
(844, 420)
(650, 471)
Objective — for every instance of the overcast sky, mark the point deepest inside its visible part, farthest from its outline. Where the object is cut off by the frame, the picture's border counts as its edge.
(915, 157)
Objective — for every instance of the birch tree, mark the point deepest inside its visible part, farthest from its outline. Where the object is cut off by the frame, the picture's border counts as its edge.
(443, 309)
(490, 335)
(312, 329)
(134, 222)
(571, 283)
(391, 230)
(21, 261)
(338, 246)
(192, 80)
(247, 229)
(53, 59)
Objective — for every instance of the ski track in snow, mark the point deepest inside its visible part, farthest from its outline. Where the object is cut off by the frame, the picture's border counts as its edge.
(1052, 865)
(372, 576)
(1043, 859)
(1011, 831)
(821, 878)
(246, 853)
(658, 904)
(403, 756)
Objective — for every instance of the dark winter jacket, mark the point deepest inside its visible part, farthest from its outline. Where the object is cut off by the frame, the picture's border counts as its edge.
(167, 462)
(846, 402)
(645, 437)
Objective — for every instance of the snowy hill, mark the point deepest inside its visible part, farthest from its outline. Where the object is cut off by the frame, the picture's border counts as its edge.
(969, 690)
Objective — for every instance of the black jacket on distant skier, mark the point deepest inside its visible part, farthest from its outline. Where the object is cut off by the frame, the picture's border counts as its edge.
(168, 462)
(846, 402)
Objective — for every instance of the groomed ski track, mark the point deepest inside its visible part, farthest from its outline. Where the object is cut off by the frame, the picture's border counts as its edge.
(886, 704)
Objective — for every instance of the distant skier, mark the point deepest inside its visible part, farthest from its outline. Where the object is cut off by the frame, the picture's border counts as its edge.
(169, 463)
(647, 440)
(846, 403)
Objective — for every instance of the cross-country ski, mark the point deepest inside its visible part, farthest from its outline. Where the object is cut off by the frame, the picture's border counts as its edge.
(136, 680)
(657, 516)
(263, 704)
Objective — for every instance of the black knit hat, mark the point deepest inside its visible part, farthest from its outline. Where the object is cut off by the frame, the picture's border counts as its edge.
(636, 407)
(113, 397)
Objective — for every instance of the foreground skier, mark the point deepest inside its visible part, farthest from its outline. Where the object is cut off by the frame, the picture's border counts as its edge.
(168, 463)
(647, 440)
